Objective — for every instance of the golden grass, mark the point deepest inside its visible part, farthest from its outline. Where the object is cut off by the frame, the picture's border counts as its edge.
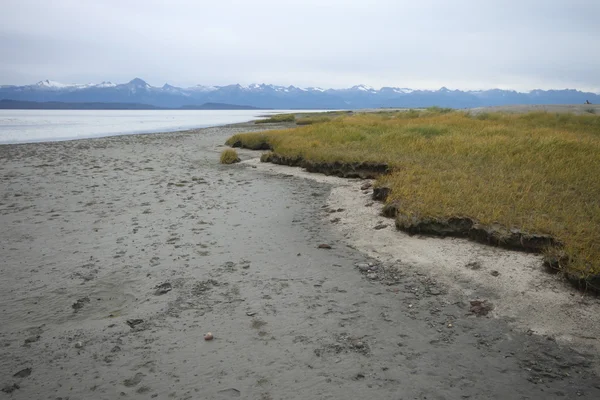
(229, 156)
(312, 120)
(277, 118)
(538, 172)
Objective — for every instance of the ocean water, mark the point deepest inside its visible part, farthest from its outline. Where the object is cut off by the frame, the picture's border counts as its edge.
(25, 126)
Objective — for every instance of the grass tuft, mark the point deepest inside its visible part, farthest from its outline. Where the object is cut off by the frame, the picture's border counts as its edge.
(229, 156)
(537, 172)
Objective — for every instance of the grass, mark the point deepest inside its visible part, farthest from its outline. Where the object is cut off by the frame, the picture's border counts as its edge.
(538, 172)
(277, 118)
(312, 120)
(229, 156)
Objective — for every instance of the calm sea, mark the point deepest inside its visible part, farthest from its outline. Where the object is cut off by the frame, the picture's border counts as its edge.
(22, 126)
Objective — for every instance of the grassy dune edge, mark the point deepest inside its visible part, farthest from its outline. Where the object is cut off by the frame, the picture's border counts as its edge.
(524, 175)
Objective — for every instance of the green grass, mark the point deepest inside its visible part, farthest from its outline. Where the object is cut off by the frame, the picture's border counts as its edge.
(229, 156)
(538, 172)
(277, 118)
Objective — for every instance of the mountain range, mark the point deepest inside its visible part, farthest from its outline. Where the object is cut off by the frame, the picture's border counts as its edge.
(283, 97)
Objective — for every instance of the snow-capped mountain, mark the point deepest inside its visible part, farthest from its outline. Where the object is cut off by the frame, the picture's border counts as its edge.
(273, 96)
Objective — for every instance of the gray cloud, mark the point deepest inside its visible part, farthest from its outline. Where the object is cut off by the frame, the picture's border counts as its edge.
(466, 44)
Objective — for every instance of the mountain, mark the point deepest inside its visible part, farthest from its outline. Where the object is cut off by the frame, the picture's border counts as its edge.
(283, 97)
(58, 105)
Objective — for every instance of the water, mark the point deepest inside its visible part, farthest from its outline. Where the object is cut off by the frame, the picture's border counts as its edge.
(23, 126)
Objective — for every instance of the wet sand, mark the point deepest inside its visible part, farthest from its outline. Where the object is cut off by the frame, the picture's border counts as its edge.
(119, 254)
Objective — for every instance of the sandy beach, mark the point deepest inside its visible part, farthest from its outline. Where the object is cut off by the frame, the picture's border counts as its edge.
(119, 254)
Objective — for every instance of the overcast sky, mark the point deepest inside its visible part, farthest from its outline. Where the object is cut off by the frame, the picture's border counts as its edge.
(422, 44)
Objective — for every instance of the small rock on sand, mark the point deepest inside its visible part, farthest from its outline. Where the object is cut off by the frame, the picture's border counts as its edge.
(324, 246)
(480, 307)
(363, 267)
(24, 373)
(163, 288)
(133, 322)
(8, 389)
(78, 305)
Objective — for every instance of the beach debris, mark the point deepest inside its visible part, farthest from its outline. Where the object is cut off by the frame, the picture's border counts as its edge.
(494, 273)
(208, 336)
(380, 226)
(133, 322)
(324, 246)
(480, 307)
(163, 288)
(78, 345)
(231, 392)
(8, 389)
(474, 265)
(24, 373)
(251, 313)
(78, 305)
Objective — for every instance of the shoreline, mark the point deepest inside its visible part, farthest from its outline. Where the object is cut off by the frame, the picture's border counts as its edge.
(120, 253)
(256, 116)
(522, 290)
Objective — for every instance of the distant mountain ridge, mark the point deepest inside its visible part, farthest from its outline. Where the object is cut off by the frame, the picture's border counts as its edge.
(58, 105)
(283, 97)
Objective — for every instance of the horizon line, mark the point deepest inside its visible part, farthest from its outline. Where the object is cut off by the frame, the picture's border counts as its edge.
(367, 87)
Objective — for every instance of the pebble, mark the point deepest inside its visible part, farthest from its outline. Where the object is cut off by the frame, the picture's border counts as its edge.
(208, 336)
(78, 345)
(372, 276)
(363, 267)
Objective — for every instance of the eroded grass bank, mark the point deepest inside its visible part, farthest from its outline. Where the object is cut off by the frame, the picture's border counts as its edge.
(536, 172)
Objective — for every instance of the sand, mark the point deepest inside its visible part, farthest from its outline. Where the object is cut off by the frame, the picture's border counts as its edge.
(119, 254)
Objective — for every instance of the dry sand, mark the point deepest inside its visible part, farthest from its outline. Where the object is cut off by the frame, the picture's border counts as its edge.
(119, 254)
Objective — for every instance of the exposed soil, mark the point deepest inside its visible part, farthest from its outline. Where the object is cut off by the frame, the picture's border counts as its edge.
(120, 254)
(362, 170)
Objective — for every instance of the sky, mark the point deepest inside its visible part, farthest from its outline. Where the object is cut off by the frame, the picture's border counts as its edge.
(419, 44)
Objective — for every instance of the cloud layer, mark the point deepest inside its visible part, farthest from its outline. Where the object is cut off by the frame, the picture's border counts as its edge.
(425, 44)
